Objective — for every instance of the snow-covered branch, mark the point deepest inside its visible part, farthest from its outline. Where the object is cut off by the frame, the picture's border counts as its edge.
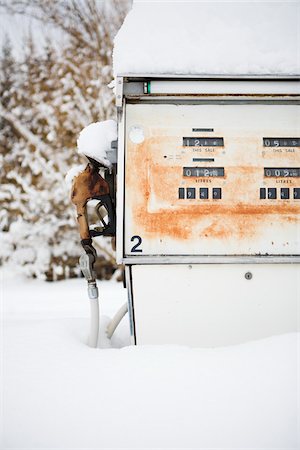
(22, 130)
(46, 98)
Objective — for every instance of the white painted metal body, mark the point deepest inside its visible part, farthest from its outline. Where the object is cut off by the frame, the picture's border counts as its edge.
(223, 87)
(187, 258)
(211, 305)
(240, 223)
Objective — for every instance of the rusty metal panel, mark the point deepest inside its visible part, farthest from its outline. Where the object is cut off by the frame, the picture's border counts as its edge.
(199, 198)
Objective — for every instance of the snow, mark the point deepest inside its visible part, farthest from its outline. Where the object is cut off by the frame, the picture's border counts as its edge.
(223, 37)
(95, 140)
(58, 393)
(73, 173)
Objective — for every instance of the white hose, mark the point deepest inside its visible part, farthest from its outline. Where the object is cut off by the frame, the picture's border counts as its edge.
(94, 325)
(116, 320)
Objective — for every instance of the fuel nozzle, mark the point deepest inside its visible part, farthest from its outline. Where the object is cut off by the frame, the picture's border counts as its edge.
(88, 259)
(90, 185)
(86, 262)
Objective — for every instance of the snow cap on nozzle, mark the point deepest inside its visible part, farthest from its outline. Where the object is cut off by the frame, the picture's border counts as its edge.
(72, 173)
(95, 140)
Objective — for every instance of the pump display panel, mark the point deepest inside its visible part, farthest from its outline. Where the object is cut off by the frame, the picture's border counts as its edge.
(203, 142)
(280, 172)
(203, 172)
(212, 179)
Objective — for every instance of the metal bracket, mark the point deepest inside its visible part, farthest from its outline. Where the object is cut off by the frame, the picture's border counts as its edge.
(112, 152)
(119, 92)
(93, 292)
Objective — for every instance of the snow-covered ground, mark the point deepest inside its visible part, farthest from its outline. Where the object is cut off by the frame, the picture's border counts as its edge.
(57, 393)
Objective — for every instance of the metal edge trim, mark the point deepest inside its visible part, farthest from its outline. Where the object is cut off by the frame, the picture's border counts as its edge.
(120, 186)
(153, 76)
(211, 259)
(128, 278)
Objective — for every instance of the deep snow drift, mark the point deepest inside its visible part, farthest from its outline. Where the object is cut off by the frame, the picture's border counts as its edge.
(223, 37)
(60, 394)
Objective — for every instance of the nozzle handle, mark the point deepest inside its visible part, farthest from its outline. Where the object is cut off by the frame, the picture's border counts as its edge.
(86, 262)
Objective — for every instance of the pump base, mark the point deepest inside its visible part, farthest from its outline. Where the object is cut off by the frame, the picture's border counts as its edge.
(209, 305)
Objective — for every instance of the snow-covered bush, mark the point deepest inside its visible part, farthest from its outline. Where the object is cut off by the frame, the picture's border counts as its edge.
(46, 98)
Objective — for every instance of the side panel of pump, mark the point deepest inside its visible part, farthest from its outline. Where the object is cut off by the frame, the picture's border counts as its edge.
(212, 305)
(212, 179)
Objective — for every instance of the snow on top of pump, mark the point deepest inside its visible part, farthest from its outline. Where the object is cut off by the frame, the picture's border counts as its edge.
(95, 141)
(216, 38)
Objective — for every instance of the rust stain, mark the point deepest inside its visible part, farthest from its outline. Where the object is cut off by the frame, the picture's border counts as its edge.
(87, 185)
(224, 229)
(150, 176)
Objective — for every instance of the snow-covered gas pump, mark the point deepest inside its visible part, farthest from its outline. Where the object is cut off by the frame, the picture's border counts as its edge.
(208, 179)
(208, 206)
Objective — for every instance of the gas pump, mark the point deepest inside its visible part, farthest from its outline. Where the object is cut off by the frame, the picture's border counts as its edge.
(208, 202)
